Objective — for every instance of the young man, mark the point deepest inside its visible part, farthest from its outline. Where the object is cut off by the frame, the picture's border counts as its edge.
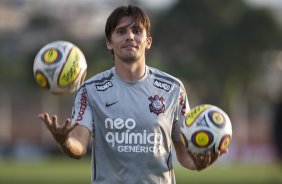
(133, 112)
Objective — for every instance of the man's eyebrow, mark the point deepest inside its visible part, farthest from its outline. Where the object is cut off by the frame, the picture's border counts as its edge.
(121, 27)
(137, 26)
(134, 25)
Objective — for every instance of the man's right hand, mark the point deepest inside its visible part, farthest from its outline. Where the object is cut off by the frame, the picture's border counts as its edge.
(59, 132)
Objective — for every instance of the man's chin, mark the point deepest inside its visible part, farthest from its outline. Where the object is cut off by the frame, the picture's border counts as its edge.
(130, 59)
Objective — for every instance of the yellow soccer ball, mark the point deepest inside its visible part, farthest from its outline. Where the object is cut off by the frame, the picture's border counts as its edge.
(207, 127)
(60, 67)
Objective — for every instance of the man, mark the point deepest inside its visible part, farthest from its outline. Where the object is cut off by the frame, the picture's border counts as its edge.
(134, 112)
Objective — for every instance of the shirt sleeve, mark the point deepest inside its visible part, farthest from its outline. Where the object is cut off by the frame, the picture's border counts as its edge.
(81, 110)
(180, 114)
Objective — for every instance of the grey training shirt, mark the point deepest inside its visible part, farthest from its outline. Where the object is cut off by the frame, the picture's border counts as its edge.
(133, 124)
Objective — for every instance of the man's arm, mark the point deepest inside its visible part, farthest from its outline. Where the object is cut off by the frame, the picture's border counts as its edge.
(77, 142)
(182, 156)
(73, 139)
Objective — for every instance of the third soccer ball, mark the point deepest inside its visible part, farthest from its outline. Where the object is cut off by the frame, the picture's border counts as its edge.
(60, 66)
(207, 127)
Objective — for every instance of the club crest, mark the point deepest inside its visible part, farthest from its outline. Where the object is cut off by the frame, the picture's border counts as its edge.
(157, 104)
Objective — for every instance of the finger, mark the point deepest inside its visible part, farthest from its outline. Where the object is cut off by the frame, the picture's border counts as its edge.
(202, 161)
(207, 161)
(66, 124)
(215, 156)
(223, 151)
(54, 122)
(46, 119)
(43, 116)
(74, 125)
(210, 158)
(204, 158)
(68, 127)
(194, 157)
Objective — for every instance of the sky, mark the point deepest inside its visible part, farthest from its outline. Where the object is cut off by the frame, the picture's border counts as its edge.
(268, 3)
(153, 4)
(274, 5)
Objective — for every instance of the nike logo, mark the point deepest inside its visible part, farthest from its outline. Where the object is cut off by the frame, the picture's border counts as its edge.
(110, 104)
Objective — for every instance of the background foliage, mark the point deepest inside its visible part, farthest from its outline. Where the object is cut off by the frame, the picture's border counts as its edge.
(226, 52)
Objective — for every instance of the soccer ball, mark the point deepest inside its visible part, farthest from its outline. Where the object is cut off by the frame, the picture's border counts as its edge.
(207, 128)
(60, 67)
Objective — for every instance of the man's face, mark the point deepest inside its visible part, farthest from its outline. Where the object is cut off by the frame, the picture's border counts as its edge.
(129, 41)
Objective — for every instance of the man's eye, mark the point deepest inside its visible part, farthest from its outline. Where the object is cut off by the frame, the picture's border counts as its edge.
(120, 31)
(137, 31)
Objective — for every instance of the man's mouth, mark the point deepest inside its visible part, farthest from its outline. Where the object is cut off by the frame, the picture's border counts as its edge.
(129, 46)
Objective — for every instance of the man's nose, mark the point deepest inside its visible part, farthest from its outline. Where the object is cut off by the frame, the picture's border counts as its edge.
(129, 36)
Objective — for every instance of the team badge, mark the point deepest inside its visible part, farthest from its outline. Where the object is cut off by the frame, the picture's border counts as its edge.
(157, 104)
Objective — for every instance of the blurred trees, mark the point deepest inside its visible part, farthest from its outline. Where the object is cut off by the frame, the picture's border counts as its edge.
(216, 45)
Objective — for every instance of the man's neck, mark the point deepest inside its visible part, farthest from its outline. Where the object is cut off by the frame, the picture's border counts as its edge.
(130, 71)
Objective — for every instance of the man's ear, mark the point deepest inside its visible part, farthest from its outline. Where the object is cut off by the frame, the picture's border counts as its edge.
(109, 45)
(149, 42)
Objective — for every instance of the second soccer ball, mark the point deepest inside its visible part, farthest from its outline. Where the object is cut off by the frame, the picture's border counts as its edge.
(207, 127)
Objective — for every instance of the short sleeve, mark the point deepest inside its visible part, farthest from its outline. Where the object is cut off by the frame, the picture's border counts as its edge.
(180, 114)
(81, 110)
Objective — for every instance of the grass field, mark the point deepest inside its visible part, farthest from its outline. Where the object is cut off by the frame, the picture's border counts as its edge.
(67, 171)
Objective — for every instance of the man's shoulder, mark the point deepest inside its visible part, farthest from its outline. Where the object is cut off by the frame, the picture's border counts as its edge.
(161, 75)
(101, 77)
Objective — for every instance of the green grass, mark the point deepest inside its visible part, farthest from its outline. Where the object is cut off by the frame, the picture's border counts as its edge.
(50, 171)
(68, 171)
(245, 174)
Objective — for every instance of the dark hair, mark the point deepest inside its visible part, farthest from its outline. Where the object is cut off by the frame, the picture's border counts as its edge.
(138, 16)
